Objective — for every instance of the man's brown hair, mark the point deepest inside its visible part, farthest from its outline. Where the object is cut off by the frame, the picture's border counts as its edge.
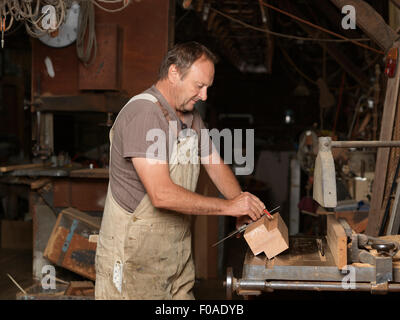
(183, 55)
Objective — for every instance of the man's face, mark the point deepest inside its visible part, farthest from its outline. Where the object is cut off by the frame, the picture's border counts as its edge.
(193, 86)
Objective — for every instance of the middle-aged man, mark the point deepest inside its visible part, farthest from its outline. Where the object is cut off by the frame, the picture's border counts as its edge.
(144, 247)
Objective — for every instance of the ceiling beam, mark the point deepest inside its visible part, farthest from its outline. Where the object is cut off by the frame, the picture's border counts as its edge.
(371, 22)
(334, 16)
(396, 3)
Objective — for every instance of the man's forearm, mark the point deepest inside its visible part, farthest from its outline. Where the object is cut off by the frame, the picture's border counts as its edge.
(177, 198)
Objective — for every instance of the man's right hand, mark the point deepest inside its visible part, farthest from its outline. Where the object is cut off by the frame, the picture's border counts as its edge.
(246, 204)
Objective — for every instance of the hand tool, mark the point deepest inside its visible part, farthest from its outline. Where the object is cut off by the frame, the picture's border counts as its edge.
(244, 227)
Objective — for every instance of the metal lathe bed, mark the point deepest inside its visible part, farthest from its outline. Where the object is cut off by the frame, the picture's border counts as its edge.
(308, 264)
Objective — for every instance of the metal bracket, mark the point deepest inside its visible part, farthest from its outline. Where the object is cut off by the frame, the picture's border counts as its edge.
(383, 262)
(383, 266)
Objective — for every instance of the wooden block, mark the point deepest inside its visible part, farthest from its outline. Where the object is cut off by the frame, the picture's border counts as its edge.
(337, 241)
(94, 238)
(268, 236)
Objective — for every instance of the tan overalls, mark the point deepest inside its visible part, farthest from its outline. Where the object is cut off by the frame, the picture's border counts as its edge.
(147, 254)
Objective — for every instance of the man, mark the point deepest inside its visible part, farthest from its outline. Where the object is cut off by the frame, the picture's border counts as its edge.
(144, 247)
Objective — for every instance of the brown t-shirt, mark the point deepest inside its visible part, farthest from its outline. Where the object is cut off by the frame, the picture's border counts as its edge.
(129, 141)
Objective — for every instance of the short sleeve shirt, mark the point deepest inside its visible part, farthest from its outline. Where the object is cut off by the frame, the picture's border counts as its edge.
(130, 140)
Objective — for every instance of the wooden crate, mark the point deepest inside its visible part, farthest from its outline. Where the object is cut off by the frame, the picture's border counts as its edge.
(69, 245)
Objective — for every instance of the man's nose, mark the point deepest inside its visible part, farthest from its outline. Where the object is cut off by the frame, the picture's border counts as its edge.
(203, 94)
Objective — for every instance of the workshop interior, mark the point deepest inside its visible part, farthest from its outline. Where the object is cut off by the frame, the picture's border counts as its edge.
(316, 81)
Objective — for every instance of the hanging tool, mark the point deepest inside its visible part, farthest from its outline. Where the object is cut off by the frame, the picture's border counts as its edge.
(244, 227)
(3, 29)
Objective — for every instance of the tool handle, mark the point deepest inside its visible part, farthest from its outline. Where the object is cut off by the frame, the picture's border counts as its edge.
(364, 144)
(267, 213)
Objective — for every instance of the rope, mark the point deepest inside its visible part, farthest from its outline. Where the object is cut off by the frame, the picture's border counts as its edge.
(29, 12)
(126, 3)
(86, 24)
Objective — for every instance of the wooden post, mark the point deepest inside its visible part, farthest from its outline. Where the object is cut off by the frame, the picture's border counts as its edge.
(389, 110)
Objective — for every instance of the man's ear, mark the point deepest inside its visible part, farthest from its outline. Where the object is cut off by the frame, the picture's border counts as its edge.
(173, 74)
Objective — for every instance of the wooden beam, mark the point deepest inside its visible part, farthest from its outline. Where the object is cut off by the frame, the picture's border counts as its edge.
(337, 241)
(85, 102)
(5, 169)
(269, 46)
(370, 22)
(333, 50)
(98, 173)
(396, 3)
(328, 11)
(346, 63)
(389, 109)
